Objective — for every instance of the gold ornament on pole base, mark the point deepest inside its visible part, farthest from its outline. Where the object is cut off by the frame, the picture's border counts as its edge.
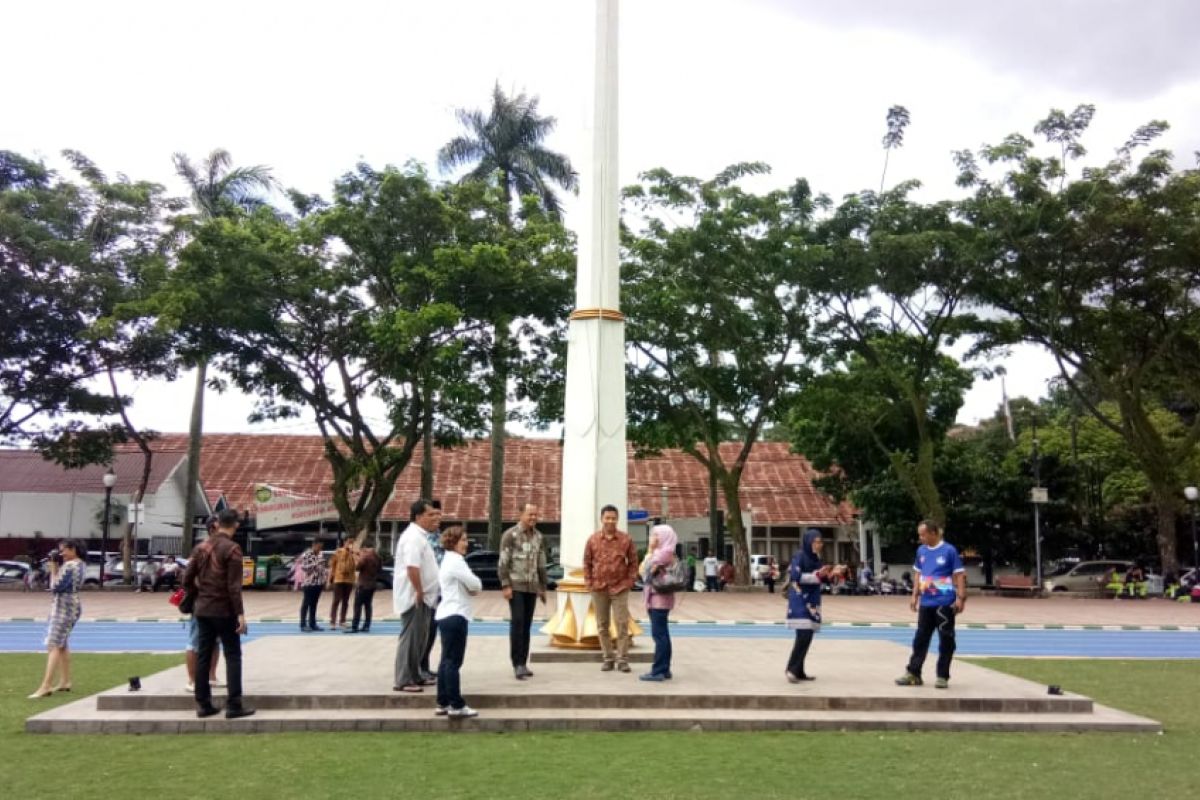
(573, 626)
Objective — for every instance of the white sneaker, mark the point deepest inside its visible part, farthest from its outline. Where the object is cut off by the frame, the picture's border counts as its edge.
(441, 711)
(465, 711)
(190, 688)
(216, 683)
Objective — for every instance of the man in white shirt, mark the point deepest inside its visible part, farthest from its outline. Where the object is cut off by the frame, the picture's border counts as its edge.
(414, 595)
(710, 573)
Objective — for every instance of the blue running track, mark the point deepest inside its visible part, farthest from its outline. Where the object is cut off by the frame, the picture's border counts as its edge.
(108, 637)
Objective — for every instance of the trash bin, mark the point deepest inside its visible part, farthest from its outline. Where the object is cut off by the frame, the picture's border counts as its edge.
(247, 571)
(262, 573)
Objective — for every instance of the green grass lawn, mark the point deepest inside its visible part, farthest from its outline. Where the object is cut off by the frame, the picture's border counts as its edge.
(611, 766)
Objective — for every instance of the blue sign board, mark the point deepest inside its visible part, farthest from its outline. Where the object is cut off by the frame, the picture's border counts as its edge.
(637, 515)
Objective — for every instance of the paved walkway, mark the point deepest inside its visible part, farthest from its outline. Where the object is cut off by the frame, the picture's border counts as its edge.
(755, 607)
(345, 683)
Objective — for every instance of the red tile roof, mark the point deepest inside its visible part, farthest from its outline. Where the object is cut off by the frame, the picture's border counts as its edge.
(777, 484)
(27, 471)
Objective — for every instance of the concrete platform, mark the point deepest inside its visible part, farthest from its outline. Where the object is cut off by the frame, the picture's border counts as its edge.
(344, 684)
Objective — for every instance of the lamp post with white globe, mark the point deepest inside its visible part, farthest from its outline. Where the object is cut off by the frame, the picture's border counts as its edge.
(1193, 494)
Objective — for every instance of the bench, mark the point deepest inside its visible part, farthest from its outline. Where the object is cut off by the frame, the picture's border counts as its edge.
(1022, 584)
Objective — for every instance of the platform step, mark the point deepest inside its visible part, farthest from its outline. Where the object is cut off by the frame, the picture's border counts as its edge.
(66, 721)
(918, 701)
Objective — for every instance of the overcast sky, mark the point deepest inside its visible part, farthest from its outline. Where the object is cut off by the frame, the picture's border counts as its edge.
(309, 88)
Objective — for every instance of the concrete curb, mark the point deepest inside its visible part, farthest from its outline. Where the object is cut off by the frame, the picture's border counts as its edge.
(990, 626)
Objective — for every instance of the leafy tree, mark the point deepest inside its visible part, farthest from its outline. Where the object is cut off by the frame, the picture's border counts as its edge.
(892, 277)
(505, 146)
(897, 124)
(719, 320)
(856, 422)
(47, 281)
(1103, 271)
(368, 306)
(74, 254)
(219, 190)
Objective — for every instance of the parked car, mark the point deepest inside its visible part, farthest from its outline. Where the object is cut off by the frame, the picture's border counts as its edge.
(114, 570)
(385, 578)
(757, 565)
(1085, 576)
(554, 574)
(13, 571)
(485, 564)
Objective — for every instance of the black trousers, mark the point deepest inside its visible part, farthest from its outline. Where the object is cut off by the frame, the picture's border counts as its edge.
(941, 619)
(520, 609)
(454, 648)
(363, 600)
(308, 606)
(433, 633)
(800, 647)
(225, 629)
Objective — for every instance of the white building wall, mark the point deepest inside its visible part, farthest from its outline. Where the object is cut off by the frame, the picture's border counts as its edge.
(81, 514)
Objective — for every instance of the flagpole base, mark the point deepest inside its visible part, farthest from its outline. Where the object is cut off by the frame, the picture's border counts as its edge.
(573, 626)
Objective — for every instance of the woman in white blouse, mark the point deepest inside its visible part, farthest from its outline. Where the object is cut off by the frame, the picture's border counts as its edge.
(458, 585)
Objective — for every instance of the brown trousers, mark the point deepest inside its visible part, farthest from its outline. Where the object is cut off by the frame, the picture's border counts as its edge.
(341, 598)
(614, 608)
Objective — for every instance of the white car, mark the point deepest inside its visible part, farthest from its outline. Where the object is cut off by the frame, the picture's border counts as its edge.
(1086, 576)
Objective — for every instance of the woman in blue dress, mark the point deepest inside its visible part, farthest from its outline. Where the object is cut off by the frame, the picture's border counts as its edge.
(805, 574)
(66, 579)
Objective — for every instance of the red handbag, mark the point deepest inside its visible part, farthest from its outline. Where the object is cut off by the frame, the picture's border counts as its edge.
(176, 597)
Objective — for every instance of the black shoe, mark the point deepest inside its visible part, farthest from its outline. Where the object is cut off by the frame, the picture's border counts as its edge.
(207, 711)
(525, 671)
(350, 630)
(237, 712)
(366, 629)
(316, 628)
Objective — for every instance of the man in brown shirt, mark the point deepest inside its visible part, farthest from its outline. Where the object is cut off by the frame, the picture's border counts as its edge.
(214, 575)
(364, 595)
(341, 578)
(610, 566)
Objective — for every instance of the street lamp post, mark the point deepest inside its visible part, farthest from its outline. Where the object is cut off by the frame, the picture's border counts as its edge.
(110, 480)
(1038, 497)
(1193, 494)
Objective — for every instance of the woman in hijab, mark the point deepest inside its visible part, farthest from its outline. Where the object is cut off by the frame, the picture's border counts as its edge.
(659, 556)
(804, 601)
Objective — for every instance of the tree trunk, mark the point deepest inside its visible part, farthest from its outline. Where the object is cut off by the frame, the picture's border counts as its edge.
(714, 518)
(427, 442)
(195, 439)
(1167, 507)
(730, 483)
(499, 417)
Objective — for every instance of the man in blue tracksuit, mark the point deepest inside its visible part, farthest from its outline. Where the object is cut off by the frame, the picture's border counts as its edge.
(939, 595)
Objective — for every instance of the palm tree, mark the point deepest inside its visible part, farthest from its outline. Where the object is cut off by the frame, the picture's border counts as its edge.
(506, 145)
(508, 142)
(218, 190)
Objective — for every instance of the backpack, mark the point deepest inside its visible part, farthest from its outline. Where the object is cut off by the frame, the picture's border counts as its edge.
(671, 578)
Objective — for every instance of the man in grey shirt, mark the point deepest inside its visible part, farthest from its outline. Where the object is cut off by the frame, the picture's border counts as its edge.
(522, 571)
